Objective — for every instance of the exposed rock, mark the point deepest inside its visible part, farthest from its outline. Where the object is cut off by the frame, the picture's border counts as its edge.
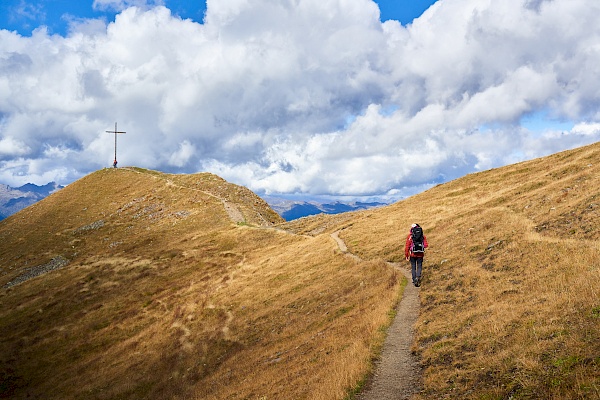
(56, 263)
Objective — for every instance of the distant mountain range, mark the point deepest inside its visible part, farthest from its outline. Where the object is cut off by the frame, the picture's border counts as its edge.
(294, 209)
(13, 200)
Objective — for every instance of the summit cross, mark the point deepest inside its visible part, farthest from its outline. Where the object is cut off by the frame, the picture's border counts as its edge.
(115, 132)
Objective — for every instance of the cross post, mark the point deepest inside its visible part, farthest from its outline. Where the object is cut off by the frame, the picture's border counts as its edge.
(115, 132)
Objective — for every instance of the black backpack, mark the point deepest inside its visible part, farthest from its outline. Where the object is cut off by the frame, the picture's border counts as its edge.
(417, 239)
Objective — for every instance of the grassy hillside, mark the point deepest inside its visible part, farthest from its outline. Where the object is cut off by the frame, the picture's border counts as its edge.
(171, 286)
(511, 292)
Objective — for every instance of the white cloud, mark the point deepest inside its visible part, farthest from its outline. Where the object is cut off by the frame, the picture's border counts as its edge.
(28, 11)
(587, 129)
(315, 96)
(10, 146)
(18, 171)
(120, 5)
(182, 156)
(57, 152)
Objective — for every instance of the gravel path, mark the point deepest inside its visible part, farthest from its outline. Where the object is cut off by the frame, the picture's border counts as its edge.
(398, 374)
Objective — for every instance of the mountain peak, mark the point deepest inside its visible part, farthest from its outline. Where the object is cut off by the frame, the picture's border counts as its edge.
(13, 200)
(44, 190)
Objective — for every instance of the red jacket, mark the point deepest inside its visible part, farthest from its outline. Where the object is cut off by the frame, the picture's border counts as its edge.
(408, 246)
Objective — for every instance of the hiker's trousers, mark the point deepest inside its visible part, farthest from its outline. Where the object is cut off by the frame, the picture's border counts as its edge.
(416, 264)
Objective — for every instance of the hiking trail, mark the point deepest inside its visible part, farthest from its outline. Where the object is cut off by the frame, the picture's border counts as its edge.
(397, 373)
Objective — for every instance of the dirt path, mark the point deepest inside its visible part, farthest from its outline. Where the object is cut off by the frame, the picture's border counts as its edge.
(397, 373)
(231, 209)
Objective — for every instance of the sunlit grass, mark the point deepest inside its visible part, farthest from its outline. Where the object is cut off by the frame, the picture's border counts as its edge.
(510, 281)
(166, 295)
(170, 298)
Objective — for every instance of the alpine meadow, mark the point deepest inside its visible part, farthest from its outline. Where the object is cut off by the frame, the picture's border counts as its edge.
(136, 284)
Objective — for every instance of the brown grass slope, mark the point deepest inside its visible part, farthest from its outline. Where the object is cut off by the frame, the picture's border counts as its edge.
(511, 292)
(173, 291)
(133, 284)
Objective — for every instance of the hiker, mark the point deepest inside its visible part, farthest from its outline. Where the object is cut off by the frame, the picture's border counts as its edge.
(115, 163)
(414, 251)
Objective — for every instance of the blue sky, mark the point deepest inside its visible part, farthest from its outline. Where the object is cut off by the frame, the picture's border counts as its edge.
(353, 99)
(25, 16)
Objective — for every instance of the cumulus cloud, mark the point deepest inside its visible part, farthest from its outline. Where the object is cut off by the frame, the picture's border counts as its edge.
(11, 147)
(182, 156)
(586, 129)
(314, 97)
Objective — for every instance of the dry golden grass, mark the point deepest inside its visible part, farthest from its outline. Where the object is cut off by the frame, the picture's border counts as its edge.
(165, 296)
(188, 287)
(511, 294)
